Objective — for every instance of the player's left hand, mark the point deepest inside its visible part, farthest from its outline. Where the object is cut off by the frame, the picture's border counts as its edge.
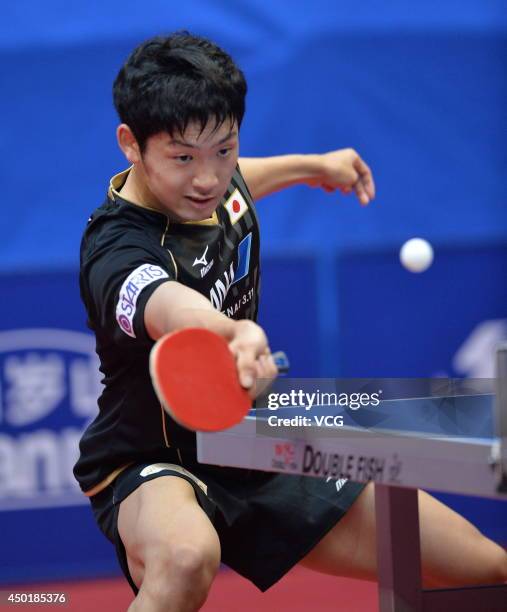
(346, 171)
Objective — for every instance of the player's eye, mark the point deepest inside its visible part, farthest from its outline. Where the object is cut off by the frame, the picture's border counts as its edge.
(224, 152)
(184, 159)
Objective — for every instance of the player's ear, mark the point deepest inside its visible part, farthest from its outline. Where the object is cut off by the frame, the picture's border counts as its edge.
(128, 143)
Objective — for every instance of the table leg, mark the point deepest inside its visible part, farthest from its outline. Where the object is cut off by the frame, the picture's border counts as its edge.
(398, 549)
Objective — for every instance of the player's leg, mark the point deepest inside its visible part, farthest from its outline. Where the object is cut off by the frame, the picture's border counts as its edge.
(173, 551)
(453, 551)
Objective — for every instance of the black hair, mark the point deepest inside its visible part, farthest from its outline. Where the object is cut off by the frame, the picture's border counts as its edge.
(169, 81)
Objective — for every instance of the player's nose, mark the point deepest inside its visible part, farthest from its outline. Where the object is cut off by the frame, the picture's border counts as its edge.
(205, 182)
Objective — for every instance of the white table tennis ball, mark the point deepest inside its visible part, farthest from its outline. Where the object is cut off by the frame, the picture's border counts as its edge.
(416, 255)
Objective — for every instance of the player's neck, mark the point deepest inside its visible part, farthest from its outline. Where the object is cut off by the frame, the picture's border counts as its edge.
(134, 190)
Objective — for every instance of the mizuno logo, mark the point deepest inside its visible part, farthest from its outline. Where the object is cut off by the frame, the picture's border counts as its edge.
(202, 261)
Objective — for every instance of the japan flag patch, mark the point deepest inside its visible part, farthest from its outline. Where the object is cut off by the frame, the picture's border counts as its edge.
(236, 206)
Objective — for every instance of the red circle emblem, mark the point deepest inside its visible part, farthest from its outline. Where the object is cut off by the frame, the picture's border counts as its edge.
(236, 206)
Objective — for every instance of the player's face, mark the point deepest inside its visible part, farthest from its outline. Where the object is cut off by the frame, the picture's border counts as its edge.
(188, 174)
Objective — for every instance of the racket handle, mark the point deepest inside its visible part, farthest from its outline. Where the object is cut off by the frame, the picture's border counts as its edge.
(282, 362)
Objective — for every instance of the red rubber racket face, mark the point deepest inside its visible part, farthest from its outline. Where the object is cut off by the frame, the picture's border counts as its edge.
(194, 375)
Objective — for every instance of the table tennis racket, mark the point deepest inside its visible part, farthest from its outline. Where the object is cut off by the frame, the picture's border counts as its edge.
(195, 378)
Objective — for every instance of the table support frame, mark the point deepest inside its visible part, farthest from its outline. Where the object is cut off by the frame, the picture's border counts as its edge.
(399, 563)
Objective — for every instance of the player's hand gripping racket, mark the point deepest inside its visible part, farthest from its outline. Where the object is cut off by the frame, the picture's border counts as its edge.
(195, 377)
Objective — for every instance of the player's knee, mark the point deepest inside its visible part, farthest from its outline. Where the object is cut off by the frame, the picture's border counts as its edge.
(195, 567)
(183, 572)
(196, 564)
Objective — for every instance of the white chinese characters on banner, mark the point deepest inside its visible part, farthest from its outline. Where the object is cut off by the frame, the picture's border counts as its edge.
(49, 385)
(36, 383)
(34, 386)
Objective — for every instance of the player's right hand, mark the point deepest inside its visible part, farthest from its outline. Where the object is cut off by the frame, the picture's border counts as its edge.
(256, 368)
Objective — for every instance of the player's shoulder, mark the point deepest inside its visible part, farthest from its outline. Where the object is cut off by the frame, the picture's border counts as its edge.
(117, 217)
(118, 225)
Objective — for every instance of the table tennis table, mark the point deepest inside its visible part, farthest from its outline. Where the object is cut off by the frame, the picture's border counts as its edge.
(453, 443)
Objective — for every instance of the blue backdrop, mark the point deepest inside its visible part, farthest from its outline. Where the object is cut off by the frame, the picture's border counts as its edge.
(418, 90)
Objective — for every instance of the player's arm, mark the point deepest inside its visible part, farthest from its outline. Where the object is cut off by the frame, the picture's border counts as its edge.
(174, 306)
(342, 169)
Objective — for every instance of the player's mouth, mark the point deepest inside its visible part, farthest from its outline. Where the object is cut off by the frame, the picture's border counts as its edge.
(201, 202)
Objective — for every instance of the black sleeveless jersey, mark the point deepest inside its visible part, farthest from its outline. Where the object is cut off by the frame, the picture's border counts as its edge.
(127, 251)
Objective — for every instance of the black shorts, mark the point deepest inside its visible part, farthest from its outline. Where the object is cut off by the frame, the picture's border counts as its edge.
(266, 522)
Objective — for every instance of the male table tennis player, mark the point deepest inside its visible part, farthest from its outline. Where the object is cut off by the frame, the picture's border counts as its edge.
(161, 254)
